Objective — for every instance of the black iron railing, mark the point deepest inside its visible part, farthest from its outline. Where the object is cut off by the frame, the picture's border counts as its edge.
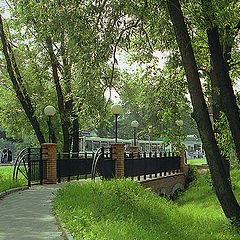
(135, 164)
(74, 164)
(29, 164)
(153, 163)
(85, 164)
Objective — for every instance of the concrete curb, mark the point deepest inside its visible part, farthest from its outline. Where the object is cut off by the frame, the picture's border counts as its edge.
(13, 190)
(61, 226)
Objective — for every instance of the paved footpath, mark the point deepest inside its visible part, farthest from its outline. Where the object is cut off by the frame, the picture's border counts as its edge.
(28, 214)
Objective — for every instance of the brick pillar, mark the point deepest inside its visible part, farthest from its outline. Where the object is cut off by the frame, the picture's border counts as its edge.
(182, 161)
(49, 157)
(118, 156)
(134, 150)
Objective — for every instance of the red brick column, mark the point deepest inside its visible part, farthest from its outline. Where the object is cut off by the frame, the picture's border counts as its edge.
(134, 150)
(49, 157)
(118, 155)
(182, 161)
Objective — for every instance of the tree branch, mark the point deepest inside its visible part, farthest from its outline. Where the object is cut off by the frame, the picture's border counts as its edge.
(115, 48)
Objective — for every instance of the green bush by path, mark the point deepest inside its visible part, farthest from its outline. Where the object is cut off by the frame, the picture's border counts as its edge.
(122, 209)
(6, 179)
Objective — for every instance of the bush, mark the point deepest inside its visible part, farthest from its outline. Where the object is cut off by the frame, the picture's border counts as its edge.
(191, 176)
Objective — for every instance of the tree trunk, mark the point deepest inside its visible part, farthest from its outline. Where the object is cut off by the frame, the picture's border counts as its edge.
(223, 83)
(215, 97)
(19, 88)
(200, 113)
(64, 120)
(75, 134)
(216, 116)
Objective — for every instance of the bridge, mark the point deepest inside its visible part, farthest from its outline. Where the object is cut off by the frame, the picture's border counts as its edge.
(164, 173)
(166, 185)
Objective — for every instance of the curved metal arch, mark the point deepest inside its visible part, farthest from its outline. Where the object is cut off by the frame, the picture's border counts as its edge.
(19, 160)
(98, 154)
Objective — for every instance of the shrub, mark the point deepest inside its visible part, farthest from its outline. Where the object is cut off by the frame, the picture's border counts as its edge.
(191, 176)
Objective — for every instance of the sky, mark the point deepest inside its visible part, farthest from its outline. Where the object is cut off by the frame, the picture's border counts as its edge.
(4, 7)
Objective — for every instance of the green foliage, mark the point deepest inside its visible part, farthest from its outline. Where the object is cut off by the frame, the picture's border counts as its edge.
(122, 209)
(224, 137)
(158, 98)
(191, 176)
(82, 46)
(90, 32)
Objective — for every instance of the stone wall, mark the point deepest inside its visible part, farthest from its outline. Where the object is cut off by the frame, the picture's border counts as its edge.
(166, 185)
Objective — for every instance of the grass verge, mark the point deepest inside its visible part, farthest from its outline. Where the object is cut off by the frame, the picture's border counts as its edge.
(197, 161)
(122, 209)
(6, 179)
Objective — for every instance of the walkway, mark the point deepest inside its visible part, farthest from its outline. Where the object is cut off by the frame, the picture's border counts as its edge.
(27, 215)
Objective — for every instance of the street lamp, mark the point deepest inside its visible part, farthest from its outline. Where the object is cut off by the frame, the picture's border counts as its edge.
(49, 111)
(134, 124)
(149, 131)
(116, 110)
(179, 123)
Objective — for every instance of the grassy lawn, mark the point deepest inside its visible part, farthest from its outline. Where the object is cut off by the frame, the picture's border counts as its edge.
(6, 179)
(122, 209)
(197, 161)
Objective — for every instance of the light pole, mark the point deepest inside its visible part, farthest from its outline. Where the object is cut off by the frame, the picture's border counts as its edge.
(116, 110)
(149, 131)
(135, 124)
(179, 123)
(49, 111)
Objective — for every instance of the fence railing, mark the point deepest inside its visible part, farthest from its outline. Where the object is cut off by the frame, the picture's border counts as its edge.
(35, 165)
(135, 164)
(74, 164)
(29, 163)
(78, 165)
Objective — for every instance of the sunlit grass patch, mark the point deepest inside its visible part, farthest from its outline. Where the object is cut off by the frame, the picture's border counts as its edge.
(197, 161)
(6, 179)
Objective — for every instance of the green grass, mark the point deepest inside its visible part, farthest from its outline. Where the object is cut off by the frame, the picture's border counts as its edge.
(122, 209)
(197, 161)
(6, 179)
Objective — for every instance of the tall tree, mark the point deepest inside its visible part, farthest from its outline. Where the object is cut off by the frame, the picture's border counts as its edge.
(18, 85)
(222, 80)
(78, 59)
(219, 176)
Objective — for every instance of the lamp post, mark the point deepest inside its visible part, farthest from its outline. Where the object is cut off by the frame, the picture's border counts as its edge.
(116, 110)
(179, 123)
(149, 131)
(49, 111)
(135, 124)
